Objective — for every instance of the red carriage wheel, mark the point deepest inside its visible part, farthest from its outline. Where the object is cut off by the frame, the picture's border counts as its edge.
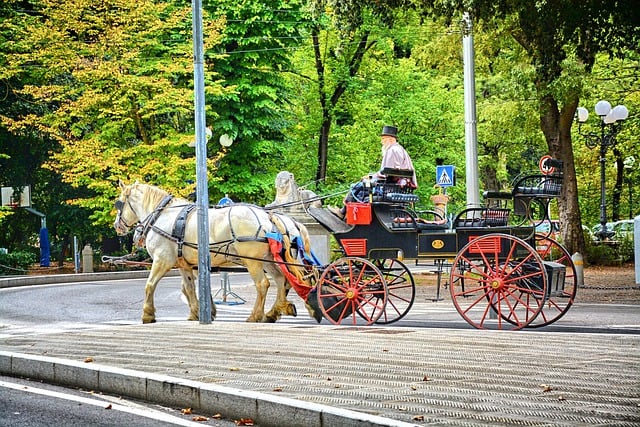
(352, 288)
(401, 289)
(560, 299)
(498, 281)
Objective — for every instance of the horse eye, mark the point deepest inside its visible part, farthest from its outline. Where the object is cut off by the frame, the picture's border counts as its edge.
(119, 205)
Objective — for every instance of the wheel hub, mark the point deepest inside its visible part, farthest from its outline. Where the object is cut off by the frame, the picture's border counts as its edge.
(350, 294)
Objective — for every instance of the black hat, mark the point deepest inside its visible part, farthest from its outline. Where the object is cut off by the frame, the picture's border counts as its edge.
(390, 131)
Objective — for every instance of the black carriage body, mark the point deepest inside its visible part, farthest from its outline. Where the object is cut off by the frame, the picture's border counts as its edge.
(394, 233)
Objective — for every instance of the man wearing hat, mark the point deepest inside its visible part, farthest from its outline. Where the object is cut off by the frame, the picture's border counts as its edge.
(393, 156)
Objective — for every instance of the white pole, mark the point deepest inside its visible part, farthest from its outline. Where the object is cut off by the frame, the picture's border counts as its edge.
(471, 135)
(202, 190)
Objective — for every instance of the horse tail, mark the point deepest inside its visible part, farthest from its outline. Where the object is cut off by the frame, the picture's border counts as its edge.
(293, 265)
(304, 235)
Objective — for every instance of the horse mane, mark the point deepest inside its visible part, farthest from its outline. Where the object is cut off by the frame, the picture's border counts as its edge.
(152, 195)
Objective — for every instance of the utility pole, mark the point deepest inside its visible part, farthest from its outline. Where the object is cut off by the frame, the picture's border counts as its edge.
(202, 186)
(470, 130)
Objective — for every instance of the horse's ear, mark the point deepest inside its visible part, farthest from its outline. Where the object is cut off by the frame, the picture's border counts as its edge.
(121, 185)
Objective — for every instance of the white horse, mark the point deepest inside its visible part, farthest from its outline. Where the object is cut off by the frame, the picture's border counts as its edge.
(167, 226)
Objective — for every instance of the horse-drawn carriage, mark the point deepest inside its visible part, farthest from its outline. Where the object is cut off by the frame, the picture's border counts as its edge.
(502, 275)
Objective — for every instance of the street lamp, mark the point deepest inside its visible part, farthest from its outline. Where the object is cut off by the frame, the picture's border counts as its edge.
(610, 124)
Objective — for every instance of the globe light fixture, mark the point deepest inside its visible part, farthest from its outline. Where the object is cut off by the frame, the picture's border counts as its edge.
(610, 124)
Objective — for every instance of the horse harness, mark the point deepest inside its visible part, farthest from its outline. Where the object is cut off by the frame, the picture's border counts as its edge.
(179, 227)
(142, 229)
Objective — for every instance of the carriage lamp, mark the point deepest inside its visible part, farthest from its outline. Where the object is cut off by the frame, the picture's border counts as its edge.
(610, 124)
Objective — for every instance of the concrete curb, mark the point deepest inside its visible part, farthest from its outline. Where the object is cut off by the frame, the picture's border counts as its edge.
(11, 282)
(264, 409)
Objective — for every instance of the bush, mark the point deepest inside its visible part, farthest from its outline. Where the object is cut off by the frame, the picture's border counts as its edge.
(607, 254)
(602, 254)
(16, 262)
(626, 250)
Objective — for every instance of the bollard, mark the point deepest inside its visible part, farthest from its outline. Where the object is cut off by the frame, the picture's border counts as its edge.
(87, 259)
(578, 262)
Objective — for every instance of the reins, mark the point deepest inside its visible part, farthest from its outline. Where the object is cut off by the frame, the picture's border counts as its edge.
(304, 202)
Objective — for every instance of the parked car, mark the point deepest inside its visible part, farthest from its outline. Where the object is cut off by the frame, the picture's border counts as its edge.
(595, 230)
(623, 229)
(550, 229)
(588, 233)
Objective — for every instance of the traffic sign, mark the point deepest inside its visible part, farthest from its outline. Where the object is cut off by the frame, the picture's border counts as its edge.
(544, 167)
(445, 175)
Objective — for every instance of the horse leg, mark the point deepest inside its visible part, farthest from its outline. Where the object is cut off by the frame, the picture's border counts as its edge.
(281, 305)
(189, 291)
(158, 270)
(262, 286)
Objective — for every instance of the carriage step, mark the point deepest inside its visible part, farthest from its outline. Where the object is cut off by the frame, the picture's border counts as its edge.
(556, 273)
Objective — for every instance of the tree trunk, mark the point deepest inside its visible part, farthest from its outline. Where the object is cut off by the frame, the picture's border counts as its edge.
(323, 148)
(323, 140)
(556, 126)
(328, 103)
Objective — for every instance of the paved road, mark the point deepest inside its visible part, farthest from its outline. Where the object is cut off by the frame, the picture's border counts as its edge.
(397, 374)
(36, 404)
(105, 303)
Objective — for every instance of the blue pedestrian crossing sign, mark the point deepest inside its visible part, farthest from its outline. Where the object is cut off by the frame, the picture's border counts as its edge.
(445, 175)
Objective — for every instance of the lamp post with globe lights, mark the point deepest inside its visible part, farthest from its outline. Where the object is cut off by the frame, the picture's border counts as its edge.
(610, 124)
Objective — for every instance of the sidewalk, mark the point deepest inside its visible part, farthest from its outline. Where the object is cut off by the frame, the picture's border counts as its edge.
(298, 373)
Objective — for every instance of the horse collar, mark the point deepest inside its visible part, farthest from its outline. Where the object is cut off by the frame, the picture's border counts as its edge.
(151, 219)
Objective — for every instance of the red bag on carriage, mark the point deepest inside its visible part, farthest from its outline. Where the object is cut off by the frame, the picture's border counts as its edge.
(358, 213)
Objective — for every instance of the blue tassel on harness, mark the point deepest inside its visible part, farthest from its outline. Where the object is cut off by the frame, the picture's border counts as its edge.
(306, 255)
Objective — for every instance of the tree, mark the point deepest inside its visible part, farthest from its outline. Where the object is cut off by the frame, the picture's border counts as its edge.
(562, 39)
(113, 81)
(339, 55)
(252, 61)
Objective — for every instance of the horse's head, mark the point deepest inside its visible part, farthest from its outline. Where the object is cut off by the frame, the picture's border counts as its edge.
(126, 217)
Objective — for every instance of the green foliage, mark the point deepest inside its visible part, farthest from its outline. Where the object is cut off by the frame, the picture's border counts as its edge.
(253, 60)
(102, 91)
(116, 92)
(16, 262)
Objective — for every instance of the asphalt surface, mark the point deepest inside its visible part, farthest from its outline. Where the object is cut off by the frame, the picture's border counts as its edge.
(304, 374)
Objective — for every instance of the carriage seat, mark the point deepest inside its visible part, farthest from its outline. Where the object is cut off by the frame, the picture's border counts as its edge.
(538, 185)
(482, 217)
(426, 221)
(395, 187)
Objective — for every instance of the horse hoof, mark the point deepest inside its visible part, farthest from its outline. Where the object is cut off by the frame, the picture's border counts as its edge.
(145, 321)
(314, 309)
